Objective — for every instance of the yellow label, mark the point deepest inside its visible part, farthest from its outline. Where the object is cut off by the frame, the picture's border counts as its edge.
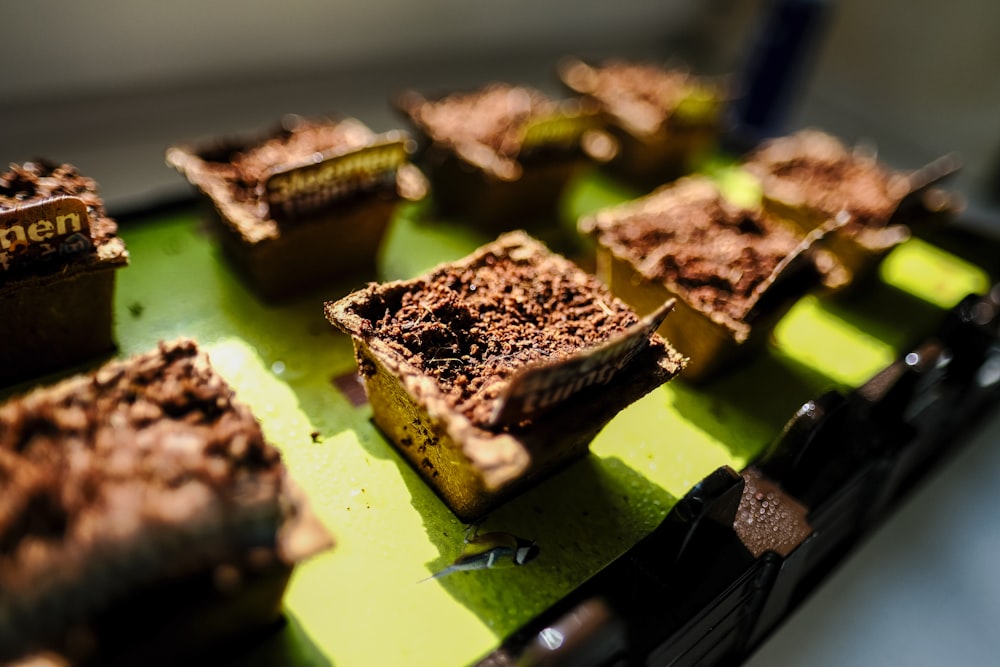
(541, 387)
(304, 188)
(561, 129)
(43, 231)
(700, 104)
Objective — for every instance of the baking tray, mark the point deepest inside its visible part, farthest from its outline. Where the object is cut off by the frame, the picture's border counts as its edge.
(364, 603)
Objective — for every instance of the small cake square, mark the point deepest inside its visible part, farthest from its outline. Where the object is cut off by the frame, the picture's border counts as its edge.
(58, 256)
(144, 517)
(492, 372)
(811, 177)
(664, 118)
(502, 155)
(734, 271)
(304, 204)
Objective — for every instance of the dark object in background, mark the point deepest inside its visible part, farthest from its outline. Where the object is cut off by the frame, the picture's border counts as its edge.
(785, 44)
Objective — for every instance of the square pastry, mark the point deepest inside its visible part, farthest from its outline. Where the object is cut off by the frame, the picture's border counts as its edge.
(494, 371)
(59, 255)
(304, 204)
(734, 271)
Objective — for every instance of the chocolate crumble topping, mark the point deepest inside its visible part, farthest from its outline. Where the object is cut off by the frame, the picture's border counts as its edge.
(473, 326)
(643, 95)
(816, 170)
(716, 253)
(244, 166)
(494, 117)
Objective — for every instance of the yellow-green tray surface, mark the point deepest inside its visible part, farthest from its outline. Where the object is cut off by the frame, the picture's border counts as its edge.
(361, 604)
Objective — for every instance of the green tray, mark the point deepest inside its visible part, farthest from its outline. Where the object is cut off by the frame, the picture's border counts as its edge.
(361, 604)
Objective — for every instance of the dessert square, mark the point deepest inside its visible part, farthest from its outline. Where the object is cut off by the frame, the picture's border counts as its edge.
(145, 518)
(491, 372)
(58, 255)
(734, 271)
(502, 155)
(305, 203)
(663, 118)
(810, 177)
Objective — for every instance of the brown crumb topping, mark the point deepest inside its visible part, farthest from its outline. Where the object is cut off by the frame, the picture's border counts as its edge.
(494, 116)
(471, 326)
(689, 236)
(644, 95)
(814, 169)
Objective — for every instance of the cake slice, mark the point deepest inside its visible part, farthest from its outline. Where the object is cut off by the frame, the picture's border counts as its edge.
(811, 177)
(492, 372)
(734, 271)
(59, 254)
(663, 118)
(305, 203)
(502, 155)
(144, 517)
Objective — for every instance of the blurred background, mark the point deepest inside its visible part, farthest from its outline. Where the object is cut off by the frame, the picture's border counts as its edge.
(107, 85)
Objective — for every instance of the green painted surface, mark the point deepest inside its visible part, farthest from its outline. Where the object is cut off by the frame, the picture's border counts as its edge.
(361, 604)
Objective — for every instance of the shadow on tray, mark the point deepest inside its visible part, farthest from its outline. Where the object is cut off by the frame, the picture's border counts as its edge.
(581, 519)
(746, 408)
(285, 644)
(880, 310)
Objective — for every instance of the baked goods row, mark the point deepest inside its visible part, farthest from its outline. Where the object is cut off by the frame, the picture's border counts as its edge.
(487, 373)
(309, 201)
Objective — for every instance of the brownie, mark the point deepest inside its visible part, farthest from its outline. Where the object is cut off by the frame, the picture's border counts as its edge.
(810, 177)
(490, 373)
(305, 203)
(144, 516)
(733, 270)
(663, 118)
(58, 256)
(501, 156)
